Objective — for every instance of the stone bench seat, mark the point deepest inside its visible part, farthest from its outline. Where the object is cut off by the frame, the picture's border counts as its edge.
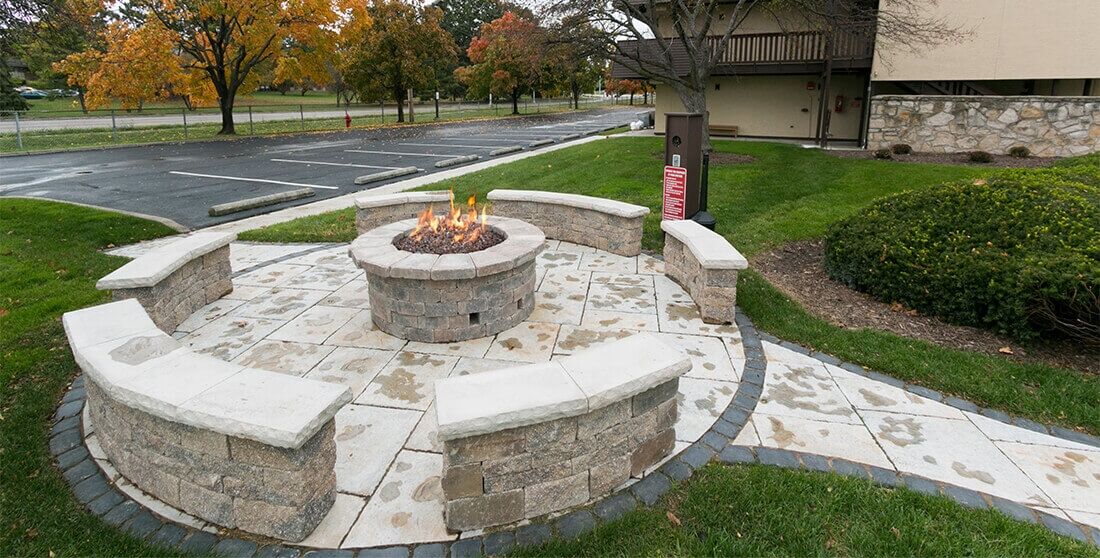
(706, 265)
(535, 439)
(240, 447)
(374, 211)
(175, 280)
(601, 223)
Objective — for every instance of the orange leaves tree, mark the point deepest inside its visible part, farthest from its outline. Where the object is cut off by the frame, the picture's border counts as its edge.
(402, 48)
(506, 58)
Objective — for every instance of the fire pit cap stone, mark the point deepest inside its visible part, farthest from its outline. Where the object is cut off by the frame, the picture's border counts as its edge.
(386, 200)
(602, 205)
(375, 252)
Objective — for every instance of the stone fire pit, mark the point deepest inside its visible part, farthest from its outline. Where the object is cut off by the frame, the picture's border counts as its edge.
(449, 297)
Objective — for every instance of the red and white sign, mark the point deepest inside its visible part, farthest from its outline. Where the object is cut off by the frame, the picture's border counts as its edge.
(675, 191)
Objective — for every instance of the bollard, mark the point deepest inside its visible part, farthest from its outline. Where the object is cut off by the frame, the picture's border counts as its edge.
(18, 132)
(114, 134)
(183, 111)
(347, 120)
(251, 129)
(302, 114)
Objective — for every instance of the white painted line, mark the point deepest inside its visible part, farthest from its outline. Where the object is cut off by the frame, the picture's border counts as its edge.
(243, 179)
(448, 145)
(479, 139)
(401, 153)
(333, 164)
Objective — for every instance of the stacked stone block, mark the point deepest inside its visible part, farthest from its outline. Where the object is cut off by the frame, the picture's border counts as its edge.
(562, 217)
(506, 476)
(1047, 126)
(713, 290)
(197, 283)
(233, 482)
(452, 309)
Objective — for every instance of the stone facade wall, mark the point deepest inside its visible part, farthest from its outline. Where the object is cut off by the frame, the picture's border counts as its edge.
(198, 283)
(367, 218)
(587, 227)
(233, 482)
(1048, 126)
(504, 477)
(713, 290)
(454, 309)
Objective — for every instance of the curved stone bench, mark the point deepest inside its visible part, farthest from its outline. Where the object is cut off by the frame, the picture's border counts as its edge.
(601, 223)
(243, 448)
(175, 280)
(374, 211)
(705, 264)
(531, 440)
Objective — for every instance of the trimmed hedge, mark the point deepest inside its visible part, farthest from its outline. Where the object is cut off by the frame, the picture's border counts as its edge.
(1018, 253)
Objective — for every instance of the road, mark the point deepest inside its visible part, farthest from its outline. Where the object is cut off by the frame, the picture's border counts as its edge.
(181, 181)
(240, 117)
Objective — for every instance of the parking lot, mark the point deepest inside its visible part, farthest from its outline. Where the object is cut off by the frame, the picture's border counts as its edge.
(182, 181)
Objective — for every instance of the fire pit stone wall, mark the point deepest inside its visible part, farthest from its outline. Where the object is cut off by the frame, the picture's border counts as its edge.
(601, 223)
(375, 211)
(450, 297)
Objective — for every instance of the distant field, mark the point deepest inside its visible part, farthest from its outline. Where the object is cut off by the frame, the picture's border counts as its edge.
(70, 106)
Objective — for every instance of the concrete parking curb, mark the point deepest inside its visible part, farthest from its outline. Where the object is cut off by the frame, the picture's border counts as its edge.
(456, 161)
(260, 201)
(504, 150)
(385, 175)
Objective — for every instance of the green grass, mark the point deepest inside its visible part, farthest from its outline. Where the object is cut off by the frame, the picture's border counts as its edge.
(70, 107)
(787, 194)
(49, 263)
(763, 511)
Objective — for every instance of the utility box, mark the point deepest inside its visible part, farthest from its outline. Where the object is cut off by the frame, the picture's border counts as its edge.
(684, 149)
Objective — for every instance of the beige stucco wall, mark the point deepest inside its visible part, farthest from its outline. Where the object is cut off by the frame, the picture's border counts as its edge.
(1007, 39)
(771, 105)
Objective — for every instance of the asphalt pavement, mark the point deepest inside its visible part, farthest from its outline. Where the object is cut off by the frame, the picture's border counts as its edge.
(181, 181)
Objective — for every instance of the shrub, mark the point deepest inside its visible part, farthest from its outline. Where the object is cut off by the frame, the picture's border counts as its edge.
(883, 154)
(901, 148)
(1019, 253)
(1020, 151)
(979, 157)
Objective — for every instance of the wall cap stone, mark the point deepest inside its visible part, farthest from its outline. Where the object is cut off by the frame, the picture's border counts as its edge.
(580, 383)
(1010, 98)
(140, 366)
(602, 205)
(434, 196)
(149, 269)
(710, 249)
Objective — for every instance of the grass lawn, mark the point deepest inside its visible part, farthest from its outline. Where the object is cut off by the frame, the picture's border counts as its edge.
(757, 510)
(788, 193)
(49, 263)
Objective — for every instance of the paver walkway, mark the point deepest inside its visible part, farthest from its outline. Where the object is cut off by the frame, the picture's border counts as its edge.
(302, 309)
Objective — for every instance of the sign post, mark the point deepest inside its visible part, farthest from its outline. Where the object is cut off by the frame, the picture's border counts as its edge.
(684, 135)
(675, 192)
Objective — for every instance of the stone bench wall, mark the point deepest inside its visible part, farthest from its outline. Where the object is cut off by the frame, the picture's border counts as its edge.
(706, 266)
(1047, 126)
(376, 211)
(199, 282)
(230, 481)
(604, 224)
(504, 477)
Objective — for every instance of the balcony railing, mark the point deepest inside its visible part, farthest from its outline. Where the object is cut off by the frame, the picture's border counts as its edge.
(755, 53)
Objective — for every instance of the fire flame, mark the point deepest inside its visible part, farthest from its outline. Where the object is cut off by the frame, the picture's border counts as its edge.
(458, 226)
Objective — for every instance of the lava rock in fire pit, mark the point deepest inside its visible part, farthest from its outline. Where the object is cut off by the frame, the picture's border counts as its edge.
(444, 242)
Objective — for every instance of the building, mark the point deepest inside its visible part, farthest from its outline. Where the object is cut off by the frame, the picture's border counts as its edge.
(1021, 73)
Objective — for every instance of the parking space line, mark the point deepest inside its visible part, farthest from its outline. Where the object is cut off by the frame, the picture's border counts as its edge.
(402, 153)
(478, 139)
(333, 164)
(449, 145)
(244, 179)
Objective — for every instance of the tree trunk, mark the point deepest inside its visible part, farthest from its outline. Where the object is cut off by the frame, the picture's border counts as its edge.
(225, 104)
(515, 100)
(631, 98)
(695, 100)
(576, 89)
(398, 93)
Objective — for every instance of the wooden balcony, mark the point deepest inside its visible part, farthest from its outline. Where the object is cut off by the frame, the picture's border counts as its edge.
(795, 52)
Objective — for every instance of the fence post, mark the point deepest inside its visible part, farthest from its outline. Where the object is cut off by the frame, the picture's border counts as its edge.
(302, 114)
(18, 132)
(251, 129)
(382, 104)
(183, 111)
(114, 133)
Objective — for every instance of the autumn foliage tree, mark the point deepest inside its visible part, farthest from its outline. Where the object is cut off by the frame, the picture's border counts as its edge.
(403, 48)
(506, 58)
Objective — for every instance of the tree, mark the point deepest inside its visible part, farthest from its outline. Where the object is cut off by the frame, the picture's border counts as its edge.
(574, 58)
(506, 58)
(402, 49)
(9, 99)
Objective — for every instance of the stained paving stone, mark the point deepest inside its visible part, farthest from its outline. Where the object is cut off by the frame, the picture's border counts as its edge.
(72, 457)
(615, 506)
(965, 496)
(142, 525)
(779, 458)
(576, 524)
(466, 548)
(921, 485)
(676, 470)
(199, 542)
(81, 471)
(168, 536)
(280, 551)
(389, 552)
(850, 469)
(651, 488)
(435, 550)
(698, 455)
(499, 544)
(234, 547)
(1062, 527)
(106, 502)
(91, 488)
(534, 534)
(736, 454)
(65, 441)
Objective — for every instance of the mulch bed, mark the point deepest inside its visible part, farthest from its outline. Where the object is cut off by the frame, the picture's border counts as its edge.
(952, 159)
(797, 269)
(443, 243)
